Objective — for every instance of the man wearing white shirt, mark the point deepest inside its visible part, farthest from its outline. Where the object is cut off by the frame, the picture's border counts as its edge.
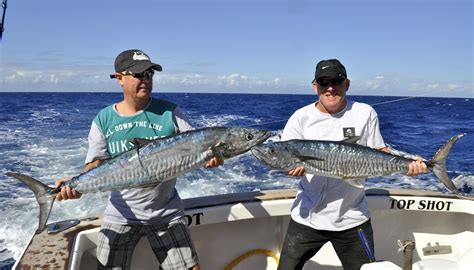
(329, 209)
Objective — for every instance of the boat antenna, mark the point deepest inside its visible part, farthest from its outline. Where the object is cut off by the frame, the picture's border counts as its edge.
(4, 9)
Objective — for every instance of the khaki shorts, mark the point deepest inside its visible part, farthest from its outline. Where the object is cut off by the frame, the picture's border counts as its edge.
(171, 244)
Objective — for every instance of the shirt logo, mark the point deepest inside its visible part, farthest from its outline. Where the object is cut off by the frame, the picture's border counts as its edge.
(140, 56)
(349, 132)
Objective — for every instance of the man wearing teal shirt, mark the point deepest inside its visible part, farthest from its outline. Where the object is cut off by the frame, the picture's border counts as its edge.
(157, 211)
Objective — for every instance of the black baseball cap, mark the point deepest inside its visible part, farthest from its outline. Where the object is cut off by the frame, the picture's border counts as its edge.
(331, 68)
(135, 61)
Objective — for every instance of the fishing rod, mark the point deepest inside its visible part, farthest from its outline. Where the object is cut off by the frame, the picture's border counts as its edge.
(374, 104)
(396, 100)
(2, 21)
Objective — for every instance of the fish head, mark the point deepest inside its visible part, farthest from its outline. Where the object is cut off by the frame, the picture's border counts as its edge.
(237, 140)
(275, 155)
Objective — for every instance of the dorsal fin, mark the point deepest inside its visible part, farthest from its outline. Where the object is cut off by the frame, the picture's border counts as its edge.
(353, 139)
(139, 142)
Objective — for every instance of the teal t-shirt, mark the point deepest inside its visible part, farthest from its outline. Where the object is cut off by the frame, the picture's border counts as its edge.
(110, 135)
(154, 122)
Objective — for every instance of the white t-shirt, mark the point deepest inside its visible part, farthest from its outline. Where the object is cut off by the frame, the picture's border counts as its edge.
(325, 203)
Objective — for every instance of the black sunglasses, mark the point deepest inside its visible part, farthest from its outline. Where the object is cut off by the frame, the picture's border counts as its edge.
(334, 82)
(147, 73)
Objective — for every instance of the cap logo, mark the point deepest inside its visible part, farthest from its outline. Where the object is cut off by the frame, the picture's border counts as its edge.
(140, 56)
(325, 67)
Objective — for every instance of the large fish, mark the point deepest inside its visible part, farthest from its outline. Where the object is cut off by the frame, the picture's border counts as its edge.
(151, 163)
(345, 160)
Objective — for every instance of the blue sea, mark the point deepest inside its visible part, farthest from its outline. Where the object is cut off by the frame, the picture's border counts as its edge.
(45, 135)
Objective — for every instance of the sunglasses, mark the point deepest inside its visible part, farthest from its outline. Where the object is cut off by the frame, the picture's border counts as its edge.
(145, 74)
(334, 82)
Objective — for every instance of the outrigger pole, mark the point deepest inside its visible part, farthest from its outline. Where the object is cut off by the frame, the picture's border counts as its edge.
(4, 9)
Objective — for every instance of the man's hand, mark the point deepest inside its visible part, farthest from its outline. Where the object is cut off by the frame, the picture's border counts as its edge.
(66, 193)
(417, 167)
(298, 171)
(214, 162)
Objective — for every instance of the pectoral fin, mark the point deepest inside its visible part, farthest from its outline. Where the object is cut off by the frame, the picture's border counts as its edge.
(218, 148)
(355, 183)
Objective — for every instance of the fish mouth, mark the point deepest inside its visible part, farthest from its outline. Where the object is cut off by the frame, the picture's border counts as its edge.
(242, 147)
(266, 134)
(256, 148)
(260, 153)
(257, 152)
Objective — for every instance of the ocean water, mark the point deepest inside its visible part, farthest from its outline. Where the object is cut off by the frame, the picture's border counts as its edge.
(45, 135)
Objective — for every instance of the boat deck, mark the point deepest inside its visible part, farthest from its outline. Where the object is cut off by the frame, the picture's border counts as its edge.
(46, 251)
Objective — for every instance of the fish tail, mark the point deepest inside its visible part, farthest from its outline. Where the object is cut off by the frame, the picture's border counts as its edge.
(44, 194)
(439, 163)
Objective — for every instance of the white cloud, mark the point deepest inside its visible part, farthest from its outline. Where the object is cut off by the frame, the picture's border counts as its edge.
(233, 80)
(395, 86)
(433, 86)
(452, 86)
(380, 83)
(14, 77)
(82, 78)
(85, 78)
(180, 79)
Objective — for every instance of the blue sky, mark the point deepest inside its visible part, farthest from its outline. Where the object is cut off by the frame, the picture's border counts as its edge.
(389, 47)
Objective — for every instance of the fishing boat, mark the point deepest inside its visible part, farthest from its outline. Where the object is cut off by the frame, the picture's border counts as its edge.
(246, 231)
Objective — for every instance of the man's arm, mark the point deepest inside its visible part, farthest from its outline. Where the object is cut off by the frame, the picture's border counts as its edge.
(96, 154)
(69, 193)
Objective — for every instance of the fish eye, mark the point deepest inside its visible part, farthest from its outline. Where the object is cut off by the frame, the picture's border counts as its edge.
(272, 150)
(249, 136)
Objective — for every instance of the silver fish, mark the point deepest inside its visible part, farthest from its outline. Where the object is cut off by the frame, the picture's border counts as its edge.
(345, 160)
(151, 163)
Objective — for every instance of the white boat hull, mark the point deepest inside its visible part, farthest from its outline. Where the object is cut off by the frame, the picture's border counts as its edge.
(225, 227)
